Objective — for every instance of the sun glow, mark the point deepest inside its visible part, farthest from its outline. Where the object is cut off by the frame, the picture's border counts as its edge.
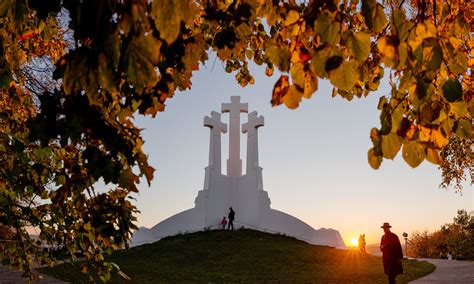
(354, 242)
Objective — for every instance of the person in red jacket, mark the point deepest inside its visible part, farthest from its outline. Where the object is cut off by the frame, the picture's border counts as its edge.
(392, 254)
(223, 223)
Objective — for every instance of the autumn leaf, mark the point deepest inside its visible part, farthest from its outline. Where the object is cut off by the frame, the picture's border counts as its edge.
(327, 28)
(414, 153)
(464, 129)
(167, 15)
(345, 76)
(310, 83)
(432, 54)
(379, 20)
(140, 69)
(374, 15)
(269, 70)
(297, 74)
(359, 43)
(149, 171)
(374, 161)
(291, 17)
(280, 90)
(293, 97)
(438, 138)
(391, 144)
(279, 55)
(432, 155)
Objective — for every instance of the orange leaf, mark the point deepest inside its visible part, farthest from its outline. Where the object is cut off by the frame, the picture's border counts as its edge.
(280, 90)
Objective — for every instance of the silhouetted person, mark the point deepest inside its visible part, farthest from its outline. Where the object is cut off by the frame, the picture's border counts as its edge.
(223, 222)
(362, 243)
(231, 219)
(392, 254)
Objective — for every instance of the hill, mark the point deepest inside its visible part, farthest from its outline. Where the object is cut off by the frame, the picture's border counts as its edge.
(374, 249)
(244, 256)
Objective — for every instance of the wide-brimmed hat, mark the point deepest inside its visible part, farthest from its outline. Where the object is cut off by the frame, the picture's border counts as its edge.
(386, 225)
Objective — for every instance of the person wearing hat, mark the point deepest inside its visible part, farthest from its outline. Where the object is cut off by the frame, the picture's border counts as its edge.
(392, 254)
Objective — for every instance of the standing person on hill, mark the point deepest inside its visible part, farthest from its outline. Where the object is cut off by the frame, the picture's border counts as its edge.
(392, 254)
(362, 243)
(231, 218)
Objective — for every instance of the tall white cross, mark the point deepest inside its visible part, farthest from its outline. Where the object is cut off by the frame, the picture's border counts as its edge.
(217, 127)
(234, 163)
(251, 128)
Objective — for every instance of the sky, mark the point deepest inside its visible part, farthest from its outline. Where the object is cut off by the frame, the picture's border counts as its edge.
(314, 160)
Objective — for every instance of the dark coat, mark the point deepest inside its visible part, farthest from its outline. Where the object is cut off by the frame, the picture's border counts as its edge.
(231, 215)
(392, 254)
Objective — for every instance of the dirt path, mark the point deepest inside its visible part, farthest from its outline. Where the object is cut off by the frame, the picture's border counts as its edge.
(448, 271)
(8, 276)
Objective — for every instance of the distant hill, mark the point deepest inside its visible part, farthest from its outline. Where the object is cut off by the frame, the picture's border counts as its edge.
(244, 256)
(373, 249)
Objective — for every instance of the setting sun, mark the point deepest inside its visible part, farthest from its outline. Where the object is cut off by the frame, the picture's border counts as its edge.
(354, 242)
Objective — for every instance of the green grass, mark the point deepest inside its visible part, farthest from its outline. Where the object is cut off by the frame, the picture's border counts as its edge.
(244, 256)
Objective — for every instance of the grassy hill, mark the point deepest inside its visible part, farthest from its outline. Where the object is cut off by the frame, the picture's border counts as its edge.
(244, 256)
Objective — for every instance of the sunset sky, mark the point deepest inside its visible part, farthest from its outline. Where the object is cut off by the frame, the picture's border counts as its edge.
(314, 160)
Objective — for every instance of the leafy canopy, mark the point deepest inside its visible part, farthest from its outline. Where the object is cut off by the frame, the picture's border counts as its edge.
(63, 131)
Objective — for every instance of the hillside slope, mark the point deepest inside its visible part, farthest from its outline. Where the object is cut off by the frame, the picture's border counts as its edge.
(245, 256)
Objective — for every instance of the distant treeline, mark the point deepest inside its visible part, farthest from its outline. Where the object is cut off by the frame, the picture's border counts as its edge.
(455, 238)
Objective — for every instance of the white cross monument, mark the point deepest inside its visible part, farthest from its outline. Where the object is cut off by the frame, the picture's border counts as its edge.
(217, 127)
(234, 163)
(244, 193)
(251, 128)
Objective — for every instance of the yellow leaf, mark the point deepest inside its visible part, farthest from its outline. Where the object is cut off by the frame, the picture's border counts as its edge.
(167, 15)
(295, 57)
(414, 153)
(379, 19)
(455, 42)
(310, 83)
(425, 134)
(459, 109)
(295, 30)
(391, 144)
(389, 52)
(345, 76)
(414, 42)
(431, 30)
(438, 139)
(292, 17)
(292, 98)
(464, 128)
(412, 90)
(87, 226)
(327, 28)
(252, 80)
(374, 161)
(279, 55)
(297, 74)
(402, 54)
(269, 71)
(359, 42)
(421, 31)
(432, 156)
